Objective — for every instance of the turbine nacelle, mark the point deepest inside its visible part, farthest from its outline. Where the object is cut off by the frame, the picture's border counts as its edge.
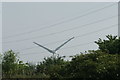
(53, 51)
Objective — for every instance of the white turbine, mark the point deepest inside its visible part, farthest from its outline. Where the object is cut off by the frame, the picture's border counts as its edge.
(54, 51)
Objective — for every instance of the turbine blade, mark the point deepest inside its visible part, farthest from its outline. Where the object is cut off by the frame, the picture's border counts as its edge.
(43, 47)
(63, 44)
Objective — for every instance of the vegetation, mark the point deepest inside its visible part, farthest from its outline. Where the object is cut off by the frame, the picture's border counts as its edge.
(111, 46)
(95, 64)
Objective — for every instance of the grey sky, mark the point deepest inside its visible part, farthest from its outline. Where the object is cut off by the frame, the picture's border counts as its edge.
(0, 27)
(19, 18)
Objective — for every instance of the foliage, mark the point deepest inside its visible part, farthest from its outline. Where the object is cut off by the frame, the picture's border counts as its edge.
(51, 66)
(111, 46)
(9, 63)
(12, 66)
(97, 65)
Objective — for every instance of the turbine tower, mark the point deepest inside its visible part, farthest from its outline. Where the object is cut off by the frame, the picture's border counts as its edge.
(53, 51)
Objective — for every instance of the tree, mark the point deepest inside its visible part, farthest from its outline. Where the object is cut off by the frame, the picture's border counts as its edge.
(96, 65)
(111, 46)
(9, 63)
(51, 66)
(0, 65)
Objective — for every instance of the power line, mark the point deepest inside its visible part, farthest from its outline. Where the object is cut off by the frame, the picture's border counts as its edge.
(83, 44)
(79, 36)
(97, 30)
(77, 17)
(44, 44)
(51, 34)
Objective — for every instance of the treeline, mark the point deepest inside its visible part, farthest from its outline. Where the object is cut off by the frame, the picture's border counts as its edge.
(94, 64)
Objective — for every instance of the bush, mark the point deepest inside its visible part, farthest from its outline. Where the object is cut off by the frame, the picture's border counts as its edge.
(94, 65)
(111, 46)
(51, 66)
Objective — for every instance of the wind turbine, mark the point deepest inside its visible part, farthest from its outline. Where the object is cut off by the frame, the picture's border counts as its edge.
(53, 51)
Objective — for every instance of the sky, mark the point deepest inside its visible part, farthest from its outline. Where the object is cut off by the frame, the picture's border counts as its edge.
(0, 38)
(60, 0)
(118, 19)
(0, 27)
(52, 23)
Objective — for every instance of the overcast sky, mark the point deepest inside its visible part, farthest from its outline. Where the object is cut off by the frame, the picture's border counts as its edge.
(52, 23)
(0, 27)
